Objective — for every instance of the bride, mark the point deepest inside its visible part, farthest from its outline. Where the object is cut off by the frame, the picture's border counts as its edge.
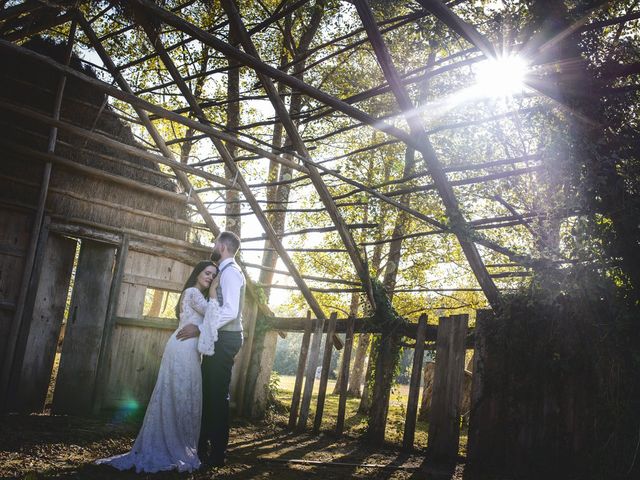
(168, 438)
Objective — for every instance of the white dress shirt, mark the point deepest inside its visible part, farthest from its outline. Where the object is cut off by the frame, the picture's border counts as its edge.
(231, 282)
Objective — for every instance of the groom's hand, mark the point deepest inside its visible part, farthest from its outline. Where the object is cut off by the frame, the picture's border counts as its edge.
(188, 331)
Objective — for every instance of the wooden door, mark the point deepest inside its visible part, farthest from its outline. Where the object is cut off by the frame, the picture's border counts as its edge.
(78, 363)
(48, 313)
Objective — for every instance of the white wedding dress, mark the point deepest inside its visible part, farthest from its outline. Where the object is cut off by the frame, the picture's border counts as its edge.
(168, 438)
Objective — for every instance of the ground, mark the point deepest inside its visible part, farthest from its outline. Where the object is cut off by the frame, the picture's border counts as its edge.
(48, 446)
(43, 446)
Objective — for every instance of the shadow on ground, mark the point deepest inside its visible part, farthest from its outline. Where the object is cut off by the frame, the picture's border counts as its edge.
(42, 446)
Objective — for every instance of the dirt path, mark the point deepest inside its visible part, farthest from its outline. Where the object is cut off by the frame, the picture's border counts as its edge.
(42, 446)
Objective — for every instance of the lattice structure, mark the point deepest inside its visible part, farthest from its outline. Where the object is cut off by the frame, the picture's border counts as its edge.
(172, 33)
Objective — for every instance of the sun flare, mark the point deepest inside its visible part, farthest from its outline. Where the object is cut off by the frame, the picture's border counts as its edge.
(503, 76)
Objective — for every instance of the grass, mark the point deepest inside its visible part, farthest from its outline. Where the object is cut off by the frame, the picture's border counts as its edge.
(356, 424)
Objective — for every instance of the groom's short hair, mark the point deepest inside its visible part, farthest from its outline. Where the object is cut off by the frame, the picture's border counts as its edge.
(231, 241)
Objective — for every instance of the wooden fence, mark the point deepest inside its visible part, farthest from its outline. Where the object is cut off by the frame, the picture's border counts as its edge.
(451, 341)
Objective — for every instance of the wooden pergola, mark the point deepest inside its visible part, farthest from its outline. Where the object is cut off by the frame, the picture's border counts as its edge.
(22, 20)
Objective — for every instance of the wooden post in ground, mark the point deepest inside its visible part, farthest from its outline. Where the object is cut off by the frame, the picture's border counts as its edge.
(414, 385)
(312, 364)
(346, 359)
(302, 361)
(324, 376)
(444, 427)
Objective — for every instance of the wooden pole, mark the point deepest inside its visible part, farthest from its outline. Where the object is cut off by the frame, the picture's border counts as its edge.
(312, 364)
(324, 376)
(456, 219)
(112, 307)
(414, 385)
(302, 361)
(444, 425)
(346, 359)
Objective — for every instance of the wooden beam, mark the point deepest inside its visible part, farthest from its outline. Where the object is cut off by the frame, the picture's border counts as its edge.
(457, 221)
(37, 27)
(91, 171)
(17, 10)
(462, 28)
(306, 277)
(138, 103)
(116, 145)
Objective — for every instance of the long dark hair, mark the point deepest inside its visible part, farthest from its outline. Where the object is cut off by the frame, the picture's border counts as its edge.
(192, 280)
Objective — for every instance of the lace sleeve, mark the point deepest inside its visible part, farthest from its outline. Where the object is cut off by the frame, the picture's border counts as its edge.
(209, 329)
(194, 298)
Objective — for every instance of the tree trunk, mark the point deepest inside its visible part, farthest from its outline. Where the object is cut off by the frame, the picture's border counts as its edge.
(187, 145)
(263, 354)
(156, 303)
(387, 357)
(365, 399)
(385, 363)
(427, 390)
(233, 205)
(353, 312)
(358, 369)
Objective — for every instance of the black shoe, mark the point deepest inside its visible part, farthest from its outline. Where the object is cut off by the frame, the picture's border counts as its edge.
(204, 451)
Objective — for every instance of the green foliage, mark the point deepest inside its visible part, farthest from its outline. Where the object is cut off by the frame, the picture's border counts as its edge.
(384, 317)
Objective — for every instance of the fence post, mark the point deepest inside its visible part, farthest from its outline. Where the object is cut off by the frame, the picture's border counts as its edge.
(324, 376)
(302, 361)
(312, 364)
(444, 426)
(346, 359)
(414, 385)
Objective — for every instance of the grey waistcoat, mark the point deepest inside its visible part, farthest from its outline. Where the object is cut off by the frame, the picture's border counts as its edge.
(234, 325)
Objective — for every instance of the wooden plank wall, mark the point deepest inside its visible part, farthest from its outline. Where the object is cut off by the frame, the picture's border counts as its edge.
(444, 425)
(14, 237)
(133, 358)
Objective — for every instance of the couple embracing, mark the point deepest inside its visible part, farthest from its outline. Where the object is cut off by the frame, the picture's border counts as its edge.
(187, 420)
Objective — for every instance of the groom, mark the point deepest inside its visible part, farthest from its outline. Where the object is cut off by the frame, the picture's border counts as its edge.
(216, 368)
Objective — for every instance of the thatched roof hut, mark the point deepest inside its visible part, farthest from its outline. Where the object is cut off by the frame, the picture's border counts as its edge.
(103, 195)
